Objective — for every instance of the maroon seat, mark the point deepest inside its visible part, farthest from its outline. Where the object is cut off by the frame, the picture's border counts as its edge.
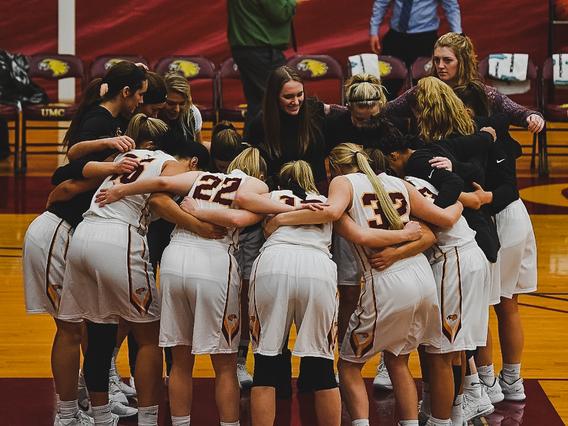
(50, 67)
(539, 141)
(101, 64)
(421, 67)
(236, 109)
(318, 68)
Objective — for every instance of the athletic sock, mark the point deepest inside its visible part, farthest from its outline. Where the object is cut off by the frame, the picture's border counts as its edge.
(67, 409)
(181, 420)
(438, 422)
(360, 422)
(458, 400)
(472, 385)
(237, 423)
(243, 351)
(102, 415)
(511, 372)
(486, 373)
(148, 416)
(113, 371)
(408, 422)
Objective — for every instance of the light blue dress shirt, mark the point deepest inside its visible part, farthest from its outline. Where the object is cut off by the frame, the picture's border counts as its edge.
(423, 15)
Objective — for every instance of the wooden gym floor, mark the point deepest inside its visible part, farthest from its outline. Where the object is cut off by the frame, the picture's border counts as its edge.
(25, 341)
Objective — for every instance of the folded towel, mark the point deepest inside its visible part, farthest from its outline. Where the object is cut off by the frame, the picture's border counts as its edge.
(560, 69)
(508, 66)
(365, 63)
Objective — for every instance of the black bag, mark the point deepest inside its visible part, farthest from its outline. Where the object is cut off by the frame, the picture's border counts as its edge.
(15, 83)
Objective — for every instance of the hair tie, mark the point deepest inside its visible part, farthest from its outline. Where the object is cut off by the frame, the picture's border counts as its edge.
(103, 90)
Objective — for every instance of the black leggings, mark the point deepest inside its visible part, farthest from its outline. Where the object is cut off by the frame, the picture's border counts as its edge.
(100, 347)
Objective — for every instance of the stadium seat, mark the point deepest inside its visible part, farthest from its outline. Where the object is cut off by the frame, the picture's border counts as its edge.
(50, 67)
(554, 106)
(316, 68)
(534, 103)
(234, 110)
(101, 64)
(197, 70)
(421, 67)
(11, 112)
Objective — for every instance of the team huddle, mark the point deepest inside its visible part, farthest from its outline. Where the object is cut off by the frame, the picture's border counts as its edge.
(421, 230)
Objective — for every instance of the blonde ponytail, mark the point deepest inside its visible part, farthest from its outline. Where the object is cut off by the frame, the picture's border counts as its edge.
(142, 128)
(351, 155)
(298, 172)
(250, 162)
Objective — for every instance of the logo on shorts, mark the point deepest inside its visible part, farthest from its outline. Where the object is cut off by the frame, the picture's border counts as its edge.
(140, 291)
(254, 327)
(231, 326)
(315, 67)
(56, 66)
(361, 343)
(187, 68)
(452, 317)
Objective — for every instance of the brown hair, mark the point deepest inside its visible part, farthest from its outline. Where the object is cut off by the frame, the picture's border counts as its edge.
(271, 113)
(120, 75)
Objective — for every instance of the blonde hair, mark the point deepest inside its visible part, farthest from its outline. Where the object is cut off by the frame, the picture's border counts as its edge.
(440, 112)
(349, 155)
(463, 48)
(177, 83)
(250, 162)
(299, 172)
(365, 90)
(143, 128)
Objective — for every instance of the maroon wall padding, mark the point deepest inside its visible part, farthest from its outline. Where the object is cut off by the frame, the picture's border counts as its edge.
(156, 28)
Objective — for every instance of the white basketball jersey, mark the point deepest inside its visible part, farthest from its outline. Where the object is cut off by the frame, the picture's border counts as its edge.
(366, 211)
(214, 191)
(456, 236)
(316, 236)
(132, 209)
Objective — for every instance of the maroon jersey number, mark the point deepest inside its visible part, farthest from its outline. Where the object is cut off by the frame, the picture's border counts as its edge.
(209, 183)
(379, 220)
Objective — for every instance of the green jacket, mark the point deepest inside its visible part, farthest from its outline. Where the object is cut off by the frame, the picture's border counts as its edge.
(260, 22)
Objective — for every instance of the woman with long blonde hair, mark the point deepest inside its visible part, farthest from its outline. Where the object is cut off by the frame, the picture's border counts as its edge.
(404, 292)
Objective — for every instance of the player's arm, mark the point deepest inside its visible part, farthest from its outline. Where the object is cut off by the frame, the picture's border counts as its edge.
(252, 197)
(376, 238)
(163, 205)
(227, 217)
(389, 255)
(337, 202)
(425, 210)
(179, 184)
(70, 188)
(118, 143)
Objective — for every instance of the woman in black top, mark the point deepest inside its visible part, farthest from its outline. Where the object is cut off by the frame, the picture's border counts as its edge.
(290, 126)
(362, 122)
(98, 121)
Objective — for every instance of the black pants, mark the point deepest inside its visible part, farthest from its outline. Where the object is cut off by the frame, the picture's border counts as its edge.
(406, 47)
(255, 64)
(4, 142)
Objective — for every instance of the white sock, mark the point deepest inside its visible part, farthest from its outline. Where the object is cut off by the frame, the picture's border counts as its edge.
(102, 415)
(237, 423)
(511, 372)
(67, 409)
(486, 373)
(113, 371)
(458, 399)
(181, 420)
(148, 416)
(471, 381)
(360, 422)
(408, 422)
(438, 422)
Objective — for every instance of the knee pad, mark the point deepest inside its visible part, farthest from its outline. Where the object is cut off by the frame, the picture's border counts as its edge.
(265, 370)
(100, 347)
(316, 374)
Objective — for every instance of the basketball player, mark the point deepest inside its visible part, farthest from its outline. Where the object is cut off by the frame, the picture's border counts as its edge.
(201, 298)
(404, 293)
